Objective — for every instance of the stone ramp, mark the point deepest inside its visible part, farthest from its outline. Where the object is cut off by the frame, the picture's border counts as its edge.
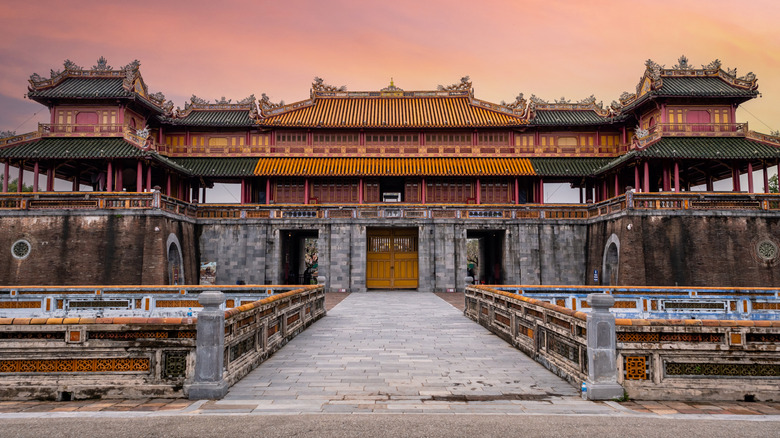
(399, 352)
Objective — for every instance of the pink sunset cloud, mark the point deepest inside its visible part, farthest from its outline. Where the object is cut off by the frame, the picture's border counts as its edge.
(233, 49)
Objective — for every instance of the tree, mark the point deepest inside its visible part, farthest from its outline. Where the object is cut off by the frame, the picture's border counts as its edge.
(773, 184)
(12, 185)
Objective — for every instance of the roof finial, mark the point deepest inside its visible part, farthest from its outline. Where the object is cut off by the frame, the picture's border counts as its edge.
(391, 82)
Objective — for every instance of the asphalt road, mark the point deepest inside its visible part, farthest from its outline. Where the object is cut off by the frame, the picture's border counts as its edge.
(380, 425)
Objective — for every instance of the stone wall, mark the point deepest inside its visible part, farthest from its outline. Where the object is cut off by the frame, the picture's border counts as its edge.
(688, 249)
(73, 248)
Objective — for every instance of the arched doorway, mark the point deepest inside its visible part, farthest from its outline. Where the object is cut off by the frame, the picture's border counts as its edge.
(611, 262)
(175, 261)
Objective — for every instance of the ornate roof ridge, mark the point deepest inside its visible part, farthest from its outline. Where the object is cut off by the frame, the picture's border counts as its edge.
(563, 104)
(198, 104)
(654, 74)
(130, 75)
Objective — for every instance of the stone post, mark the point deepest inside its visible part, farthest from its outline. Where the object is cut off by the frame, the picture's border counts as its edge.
(209, 382)
(602, 369)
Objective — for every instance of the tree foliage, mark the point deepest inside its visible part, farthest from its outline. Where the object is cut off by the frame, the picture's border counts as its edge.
(773, 184)
(13, 185)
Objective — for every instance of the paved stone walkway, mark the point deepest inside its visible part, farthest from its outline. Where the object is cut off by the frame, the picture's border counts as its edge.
(402, 352)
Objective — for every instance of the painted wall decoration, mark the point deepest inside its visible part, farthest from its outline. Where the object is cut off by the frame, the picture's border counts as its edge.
(208, 273)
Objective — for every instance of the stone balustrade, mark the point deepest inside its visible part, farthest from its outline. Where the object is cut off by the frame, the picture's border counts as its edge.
(78, 357)
(653, 359)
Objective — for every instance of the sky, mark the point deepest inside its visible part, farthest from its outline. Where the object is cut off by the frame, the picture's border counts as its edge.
(549, 48)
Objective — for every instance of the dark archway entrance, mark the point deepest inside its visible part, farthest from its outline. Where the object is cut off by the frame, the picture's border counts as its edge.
(300, 259)
(485, 251)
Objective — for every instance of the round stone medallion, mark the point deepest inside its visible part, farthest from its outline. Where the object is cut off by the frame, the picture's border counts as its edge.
(21, 249)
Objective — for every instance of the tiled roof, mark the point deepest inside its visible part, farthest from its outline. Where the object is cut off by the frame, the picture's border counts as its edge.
(215, 118)
(218, 166)
(708, 86)
(392, 112)
(568, 166)
(570, 117)
(84, 88)
(84, 148)
(701, 148)
(393, 166)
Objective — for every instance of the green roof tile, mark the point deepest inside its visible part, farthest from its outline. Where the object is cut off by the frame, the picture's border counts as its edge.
(73, 148)
(84, 88)
(700, 148)
(215, 118)
(219, 166)
(570, 117)
(701, 87)
(568, 166)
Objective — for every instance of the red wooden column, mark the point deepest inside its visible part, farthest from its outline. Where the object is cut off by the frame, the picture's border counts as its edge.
(203, 195)
(20, 178)
(709, 182)
(604, 190)
(617, 184)
(541, 190)
(735, 183)
(168, 184)
(479, 192)
(766, 178)
(149, 177)
(360, 191)
(36, 176)
(267, 191)
(423, 190)
(750, 177)
(666, 180)
(581, 196)
(110, 178)
(50, 179)
(646, 184)
(636, 178)
(676, 176)
(7, 176)
(139, 178)
(243, 190)
(306, 191)
(517, 192)
(119, 182)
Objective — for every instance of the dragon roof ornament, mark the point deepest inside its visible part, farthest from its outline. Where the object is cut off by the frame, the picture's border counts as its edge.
(319, 85)
(197, 103)
(463, 85)
(587, 104)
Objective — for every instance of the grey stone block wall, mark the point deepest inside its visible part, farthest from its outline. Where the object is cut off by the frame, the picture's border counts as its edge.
(340, 257)
(533, 252)
(238, 249)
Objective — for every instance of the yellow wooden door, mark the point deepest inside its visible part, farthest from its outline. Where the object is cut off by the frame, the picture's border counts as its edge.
(391, 259)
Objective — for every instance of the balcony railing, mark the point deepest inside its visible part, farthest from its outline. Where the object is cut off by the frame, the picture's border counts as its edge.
(484, 212)
(694, 130)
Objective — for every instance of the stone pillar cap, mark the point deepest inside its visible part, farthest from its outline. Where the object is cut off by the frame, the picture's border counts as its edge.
(601, 300)
(212, 298)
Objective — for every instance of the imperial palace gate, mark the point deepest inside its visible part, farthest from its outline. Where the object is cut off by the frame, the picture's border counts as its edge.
(391, 258)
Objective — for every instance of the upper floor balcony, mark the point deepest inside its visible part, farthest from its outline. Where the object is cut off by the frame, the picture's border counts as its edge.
(655, 132)
(48, 130)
